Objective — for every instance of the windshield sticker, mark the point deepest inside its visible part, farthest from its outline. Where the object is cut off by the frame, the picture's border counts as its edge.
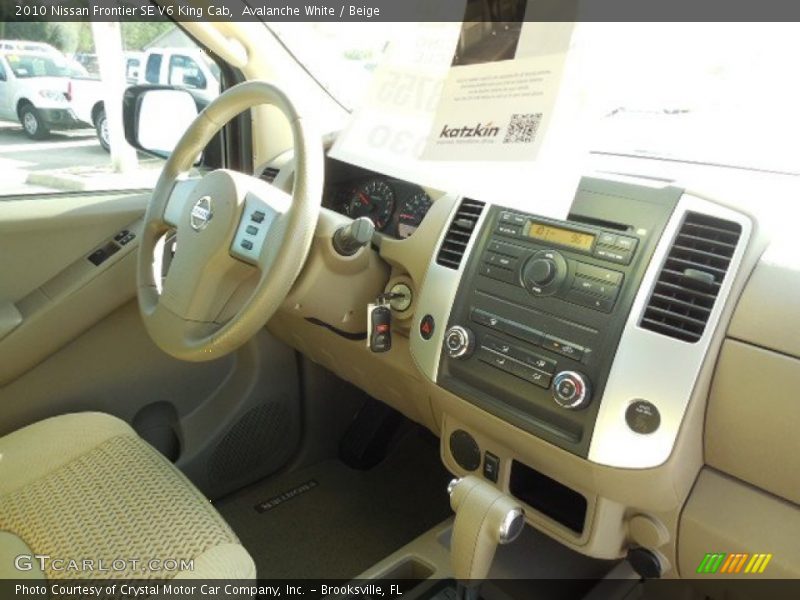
(498, 97)
(483, 92)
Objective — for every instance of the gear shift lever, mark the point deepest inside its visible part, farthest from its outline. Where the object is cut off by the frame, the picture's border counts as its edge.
(485, 517)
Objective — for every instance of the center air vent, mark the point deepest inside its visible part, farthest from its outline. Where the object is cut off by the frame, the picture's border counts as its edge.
(269, 174)
(690, 279)
(458, 235)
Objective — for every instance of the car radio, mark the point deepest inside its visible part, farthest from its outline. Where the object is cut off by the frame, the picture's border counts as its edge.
(541, 306)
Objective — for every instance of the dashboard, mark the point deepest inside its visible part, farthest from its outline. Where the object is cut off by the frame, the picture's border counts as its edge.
(395, 207)
(602, 368)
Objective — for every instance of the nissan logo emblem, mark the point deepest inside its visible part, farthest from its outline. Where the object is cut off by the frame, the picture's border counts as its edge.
(201, 213)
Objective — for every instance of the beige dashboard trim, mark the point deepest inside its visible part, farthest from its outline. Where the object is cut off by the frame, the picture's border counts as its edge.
(768, 313)
(752, 412)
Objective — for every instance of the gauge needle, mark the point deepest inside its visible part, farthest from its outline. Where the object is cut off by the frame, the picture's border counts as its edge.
(364, 198)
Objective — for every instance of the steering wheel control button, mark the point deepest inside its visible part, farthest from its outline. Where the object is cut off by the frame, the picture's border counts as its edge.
(250, 238)
(465, 450)
(642, 417)
(571, 390)
(426, 327)
(459, 342)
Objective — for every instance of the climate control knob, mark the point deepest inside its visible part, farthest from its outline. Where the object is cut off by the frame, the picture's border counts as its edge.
(571, 390)
(459, 342)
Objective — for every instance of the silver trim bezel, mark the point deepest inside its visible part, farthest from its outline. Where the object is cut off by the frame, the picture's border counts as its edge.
(437, 296)
(654, 367)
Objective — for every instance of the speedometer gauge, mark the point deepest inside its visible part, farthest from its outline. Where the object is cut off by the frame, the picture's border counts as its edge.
(411, 213)
(373, 199)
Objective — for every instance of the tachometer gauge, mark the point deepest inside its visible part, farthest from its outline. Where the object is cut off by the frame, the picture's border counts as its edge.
(373, 199)
(411, 212)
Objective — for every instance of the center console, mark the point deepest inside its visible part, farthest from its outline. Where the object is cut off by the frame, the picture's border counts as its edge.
(541, 306)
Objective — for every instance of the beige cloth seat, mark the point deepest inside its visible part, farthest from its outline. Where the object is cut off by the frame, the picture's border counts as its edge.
(84, 486)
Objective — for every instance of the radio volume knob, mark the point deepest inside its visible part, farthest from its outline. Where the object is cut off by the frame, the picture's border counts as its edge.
(571, 390)
(459, 342)
(540, 271)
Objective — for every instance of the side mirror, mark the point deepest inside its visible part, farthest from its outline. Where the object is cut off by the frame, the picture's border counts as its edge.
(156, 117)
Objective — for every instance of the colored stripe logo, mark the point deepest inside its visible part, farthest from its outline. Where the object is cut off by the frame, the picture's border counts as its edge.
(732, 564)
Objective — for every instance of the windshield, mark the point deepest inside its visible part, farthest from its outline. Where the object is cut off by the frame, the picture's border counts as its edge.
(721, 93)
(37, 65)
(341, 56)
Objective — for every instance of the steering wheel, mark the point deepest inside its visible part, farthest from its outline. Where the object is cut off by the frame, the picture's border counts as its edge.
(230, 227)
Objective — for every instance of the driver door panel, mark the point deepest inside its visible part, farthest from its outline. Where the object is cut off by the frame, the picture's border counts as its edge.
(79, 344)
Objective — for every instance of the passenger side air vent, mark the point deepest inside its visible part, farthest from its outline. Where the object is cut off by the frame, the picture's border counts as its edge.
(690, 279)
(269, 174)
(455, 241)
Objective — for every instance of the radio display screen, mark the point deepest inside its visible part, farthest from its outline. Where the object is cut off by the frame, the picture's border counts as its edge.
(564, 237)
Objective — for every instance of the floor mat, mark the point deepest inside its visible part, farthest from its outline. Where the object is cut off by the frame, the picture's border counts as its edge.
(331, 521)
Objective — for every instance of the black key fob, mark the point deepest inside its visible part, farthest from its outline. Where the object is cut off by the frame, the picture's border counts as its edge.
(379, 328)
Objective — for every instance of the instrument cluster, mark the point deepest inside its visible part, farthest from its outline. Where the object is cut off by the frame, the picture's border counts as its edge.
(395, 207)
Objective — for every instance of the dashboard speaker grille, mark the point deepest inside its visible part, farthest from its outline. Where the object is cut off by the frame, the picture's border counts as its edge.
(691, 277)
(269, 174)
(459, 233)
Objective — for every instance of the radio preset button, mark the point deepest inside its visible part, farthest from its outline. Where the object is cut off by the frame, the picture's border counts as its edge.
(592, 286)
(607, 239)
(599, 273)
(507, 249)
(600, 303)
(506, 262)
(498, 273)
(511, 230)
(622, 257)
(626, 243)
(514, 219)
